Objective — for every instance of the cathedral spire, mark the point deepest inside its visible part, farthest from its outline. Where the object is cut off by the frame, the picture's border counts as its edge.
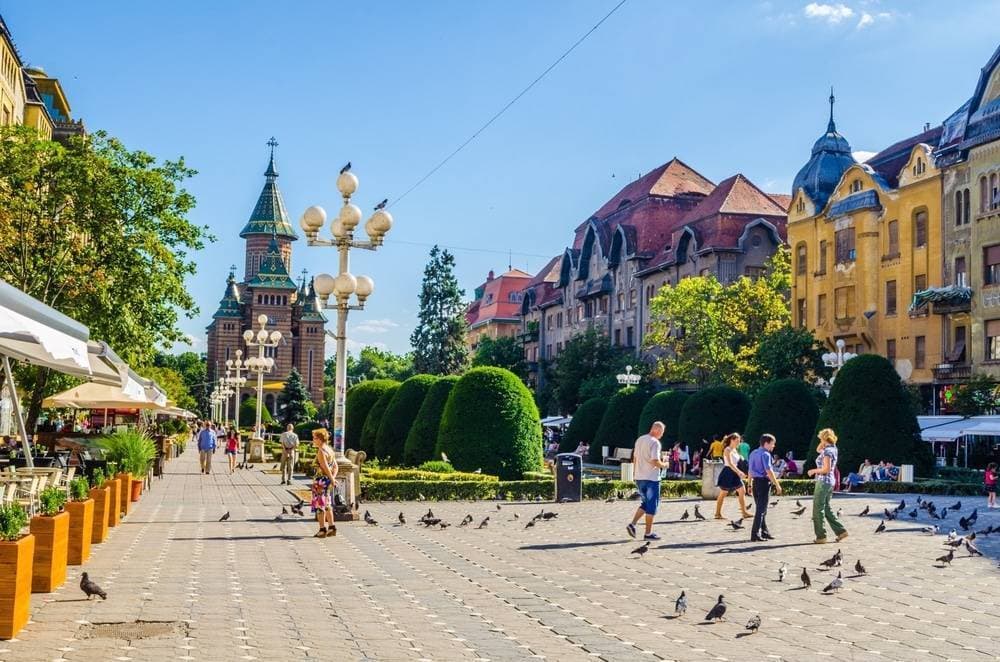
(271, 171)
(831, 127)
(269, 216)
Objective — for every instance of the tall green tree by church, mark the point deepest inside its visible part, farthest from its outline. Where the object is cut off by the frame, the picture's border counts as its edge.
(439, 339)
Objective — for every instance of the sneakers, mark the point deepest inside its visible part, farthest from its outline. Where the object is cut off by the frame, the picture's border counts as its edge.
(631, 530)
(651, 536)
(841, 536)
(819, 541)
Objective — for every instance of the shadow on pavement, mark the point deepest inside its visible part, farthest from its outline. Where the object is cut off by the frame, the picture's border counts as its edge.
(239, 538)
(575, 545)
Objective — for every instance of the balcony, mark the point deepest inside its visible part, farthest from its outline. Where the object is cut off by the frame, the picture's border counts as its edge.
(952, 372)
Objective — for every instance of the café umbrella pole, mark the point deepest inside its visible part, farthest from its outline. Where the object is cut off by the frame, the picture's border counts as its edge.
(9, 379)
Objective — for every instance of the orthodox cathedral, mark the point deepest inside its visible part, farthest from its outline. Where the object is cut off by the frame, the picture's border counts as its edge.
(267, 288)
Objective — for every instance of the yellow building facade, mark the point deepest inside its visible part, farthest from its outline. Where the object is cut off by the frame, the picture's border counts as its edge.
(866, 237)
(12, 93)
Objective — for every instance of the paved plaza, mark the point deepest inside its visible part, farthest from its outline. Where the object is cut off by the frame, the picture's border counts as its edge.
(565, 589)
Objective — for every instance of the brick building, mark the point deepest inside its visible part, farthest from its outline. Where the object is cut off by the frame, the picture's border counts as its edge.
(267, 288)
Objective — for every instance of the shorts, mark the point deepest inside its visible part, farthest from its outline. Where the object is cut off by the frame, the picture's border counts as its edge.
(230, 452)
(649, 494)
(990, 489)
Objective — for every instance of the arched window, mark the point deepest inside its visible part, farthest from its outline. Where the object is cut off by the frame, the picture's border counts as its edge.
(994, 192)
(800, 260)
(965, 205)
(958, 207)
(856, 186)
(983, 193)
(920, 229)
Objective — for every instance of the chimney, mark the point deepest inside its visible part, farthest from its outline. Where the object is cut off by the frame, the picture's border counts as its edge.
(489, 276)
(927, 126)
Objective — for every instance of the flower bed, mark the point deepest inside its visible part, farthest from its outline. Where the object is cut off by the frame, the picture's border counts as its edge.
(416, 474)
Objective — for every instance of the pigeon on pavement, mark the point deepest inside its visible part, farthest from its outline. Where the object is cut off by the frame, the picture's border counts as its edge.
(834, 585)
(685, 516)
(697, 514)
(799, 512)
(972, 549)
(805, 578)
(881, 527)
(864, 512)
(681, 604)
(947, 558)
(860, 569)
(484, 523)
(753, 624)
(224, 518)
(736, 524)
(717, 612)
(90, 588)
(782, 572)
(402, 520)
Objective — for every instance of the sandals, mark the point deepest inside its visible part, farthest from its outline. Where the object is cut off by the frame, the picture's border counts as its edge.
(321, 533)
(332, 531)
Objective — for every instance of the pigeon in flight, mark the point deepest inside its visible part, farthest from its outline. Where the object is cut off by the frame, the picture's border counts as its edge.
(835, 584)
(90, 588)
(681, 604)
(860, 569)
(931, 529)
(782, 572)
(753, 624)
(346, 168)
(685, 516)
(224, 518)
(947, 558)
(805, 578)
(881, 527)
(697, 514)
(864, 512)
(641, 549)
(717, 612)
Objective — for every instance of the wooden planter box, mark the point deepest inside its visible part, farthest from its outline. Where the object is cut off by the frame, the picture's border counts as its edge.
(81, 531)
(102, 498)
(15, 585)
(136, 490)
(114, 503)
(51, 543)
(125, 485)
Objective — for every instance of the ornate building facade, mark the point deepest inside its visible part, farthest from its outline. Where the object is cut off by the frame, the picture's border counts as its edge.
(495, 311)
(267, 288)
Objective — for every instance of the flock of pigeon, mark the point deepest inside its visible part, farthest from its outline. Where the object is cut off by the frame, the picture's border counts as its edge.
(954, 540)
(429, 520)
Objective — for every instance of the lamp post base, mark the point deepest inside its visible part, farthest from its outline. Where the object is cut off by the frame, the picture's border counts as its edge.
(256, 450)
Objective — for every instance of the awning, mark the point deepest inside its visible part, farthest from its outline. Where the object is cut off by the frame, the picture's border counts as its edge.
(942, 428)
(34, 333)
(99, 396)
(984, 426)
(951, 294)
(556, 421)
(178, 412)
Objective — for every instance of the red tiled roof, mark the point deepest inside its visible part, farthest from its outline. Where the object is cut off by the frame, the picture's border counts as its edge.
(496, 302)
(893, 158)
(783, 199)
(736, 195)
(671, 179)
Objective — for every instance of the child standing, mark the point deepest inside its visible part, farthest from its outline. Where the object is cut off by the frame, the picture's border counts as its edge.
(991, 485)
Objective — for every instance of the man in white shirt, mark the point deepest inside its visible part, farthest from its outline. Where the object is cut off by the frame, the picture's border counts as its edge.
(647, 463)
(289, 452)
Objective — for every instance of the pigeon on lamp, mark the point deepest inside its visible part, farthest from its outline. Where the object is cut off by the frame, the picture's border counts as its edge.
(642, 549)
(681, 604)
(753, 624)
(860, 569)
(346, 168)
(835, 584)
(382, 204)
(806, 582)
(717, 612)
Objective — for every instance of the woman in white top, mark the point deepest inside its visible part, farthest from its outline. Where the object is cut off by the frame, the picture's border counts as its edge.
(731, 478)
(685, 459)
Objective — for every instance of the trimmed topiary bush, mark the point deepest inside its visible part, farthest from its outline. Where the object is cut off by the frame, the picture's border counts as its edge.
(788, 410)
(421, 442)
(583, 427)
(872, 413)
(374, 419)
(436, 466)
(619, 422)
(304, 430)
(248, 413)
(491, 423)
(665, 406)
(360, 400)
(399, 417)
(712, 412)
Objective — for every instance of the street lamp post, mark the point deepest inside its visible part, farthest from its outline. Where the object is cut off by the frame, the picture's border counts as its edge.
(344, 284)
(627, 378)
(836, 360)
(260, 364)
(224, 392)
(238, 382)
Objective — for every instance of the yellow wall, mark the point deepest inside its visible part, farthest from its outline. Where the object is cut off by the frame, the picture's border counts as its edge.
(863, 321)
(11, 86)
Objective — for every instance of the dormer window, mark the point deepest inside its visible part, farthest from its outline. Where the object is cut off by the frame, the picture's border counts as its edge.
(801, 206)
(856, 186)
(919, 167)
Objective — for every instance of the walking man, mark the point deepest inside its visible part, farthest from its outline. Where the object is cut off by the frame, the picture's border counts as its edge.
(761, 478)
(289, 453)
(206, 446)
(647, 464)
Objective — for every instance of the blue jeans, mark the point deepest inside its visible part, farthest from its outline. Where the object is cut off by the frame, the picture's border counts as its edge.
(649, 492)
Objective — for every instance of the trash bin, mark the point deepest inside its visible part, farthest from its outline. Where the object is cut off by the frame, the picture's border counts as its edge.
(627, 472)
(906, 473)
(569, 477)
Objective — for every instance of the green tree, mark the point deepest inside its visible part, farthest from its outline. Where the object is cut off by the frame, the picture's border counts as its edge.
(293, 401)
(172, 382)
(665, 407)
(372, 363)
(789, 353)
(248, 414)
(872, 414)
(619, 422)
(507, 352)
(399, 416)
(787, 409)
(491, 423)
(193, 370)
(587, 367)
(421, 442)
(976, 397)
(583, 428)
(709, 333)
(439, 339)
(360, 400)
(374, 419)
(712, 412)
(100, 233)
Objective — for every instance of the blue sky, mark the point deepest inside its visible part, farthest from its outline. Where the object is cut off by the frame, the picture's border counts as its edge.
(396, 86)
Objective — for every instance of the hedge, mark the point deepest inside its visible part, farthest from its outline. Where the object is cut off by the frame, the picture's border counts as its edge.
(360, 400)
(871, 411)
(787, 409)
(583, 427)
(421, 442)
(304, 430)
(374, 420)
(711, 413)
(619, 422)
(959, 474)
(941, 487)
(248, 413)
(439, 490)
(399, 417)
(437, 466)
(415, 474)
(665, 407)
(491, 423)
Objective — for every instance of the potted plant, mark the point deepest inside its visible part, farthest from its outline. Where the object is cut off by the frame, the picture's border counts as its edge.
(51, 531)
(102, 498)
(115, 497)
(133, 452)
(81, 521)
(16, 554)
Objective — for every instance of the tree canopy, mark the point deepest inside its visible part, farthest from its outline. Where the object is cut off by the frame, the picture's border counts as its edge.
(371, 363)
(587, 367)
(293, 401)
(507, 352)
(439, 339)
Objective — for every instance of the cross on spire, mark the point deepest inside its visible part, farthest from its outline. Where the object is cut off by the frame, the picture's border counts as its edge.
(831, 127)
(271, 170)
(272, 143)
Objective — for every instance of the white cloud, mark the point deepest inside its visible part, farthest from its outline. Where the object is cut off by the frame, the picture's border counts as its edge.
(861, 155)
(355, 346)
(868, 19)
(375, 326)
(833, 13)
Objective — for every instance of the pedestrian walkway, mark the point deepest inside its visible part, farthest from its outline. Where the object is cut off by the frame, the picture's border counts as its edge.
(564, 589)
